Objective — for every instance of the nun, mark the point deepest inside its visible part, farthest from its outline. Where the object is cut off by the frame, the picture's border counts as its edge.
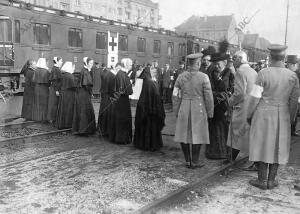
(54, 89)
(41, 91)
(66, 102)
(84, 116)
(28, 96)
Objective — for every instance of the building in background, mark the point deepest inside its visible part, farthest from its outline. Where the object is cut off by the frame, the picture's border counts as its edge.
(142, 12)
(254, 41)
(214, 28)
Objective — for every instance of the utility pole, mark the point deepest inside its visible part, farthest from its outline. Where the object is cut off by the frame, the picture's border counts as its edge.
(286, 23)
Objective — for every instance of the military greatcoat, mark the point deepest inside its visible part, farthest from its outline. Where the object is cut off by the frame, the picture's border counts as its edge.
(273, 105)
(238, 135)
(196, 106)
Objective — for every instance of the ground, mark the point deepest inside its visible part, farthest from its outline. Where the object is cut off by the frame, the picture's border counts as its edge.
(232, 193)
(70, 174)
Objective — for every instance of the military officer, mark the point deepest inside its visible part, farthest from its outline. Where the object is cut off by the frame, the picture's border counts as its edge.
(291, 64)
(272, 108)
(238, 136)
(194, 91)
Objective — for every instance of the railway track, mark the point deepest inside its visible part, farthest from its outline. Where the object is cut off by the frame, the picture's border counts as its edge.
(26, 131)
(179, 196)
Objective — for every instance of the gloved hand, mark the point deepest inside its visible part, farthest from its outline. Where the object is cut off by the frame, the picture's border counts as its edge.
(57, 93)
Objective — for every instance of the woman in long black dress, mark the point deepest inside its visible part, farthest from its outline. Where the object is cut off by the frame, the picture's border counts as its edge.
(54, 89)
(28, 96)
(84, 116)
(150, 115)
(222, 86)
(66, 102)
(41, 91)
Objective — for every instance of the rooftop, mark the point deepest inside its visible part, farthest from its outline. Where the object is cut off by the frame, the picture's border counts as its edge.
(206, 23)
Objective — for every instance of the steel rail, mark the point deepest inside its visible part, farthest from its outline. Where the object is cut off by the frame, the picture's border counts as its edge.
(178, 195)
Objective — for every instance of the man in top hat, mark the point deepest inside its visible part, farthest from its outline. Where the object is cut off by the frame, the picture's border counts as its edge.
(272, 108)
(192, 92)
(238, 136)
(222, 82)
(291, 64)
(206, 65)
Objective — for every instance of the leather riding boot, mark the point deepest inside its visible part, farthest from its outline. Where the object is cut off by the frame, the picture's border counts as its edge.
(272, 175)
(186, 152)
(261, 182)
(195, 156)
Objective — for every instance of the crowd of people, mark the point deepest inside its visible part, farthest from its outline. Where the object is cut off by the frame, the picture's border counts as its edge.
(218, 100)
(234, 109)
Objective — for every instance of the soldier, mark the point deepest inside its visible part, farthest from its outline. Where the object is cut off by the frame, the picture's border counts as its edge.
(238, 136)
(272, 107)
(292, 65)
(192, 90)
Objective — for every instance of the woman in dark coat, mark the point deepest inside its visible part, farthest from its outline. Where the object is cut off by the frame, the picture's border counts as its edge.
(66, 102)
(41, 91)
(150, 115)
(107, 90)
(222, 81)
(54, 89)
(28, 96)
(120, 130)
(84, 116)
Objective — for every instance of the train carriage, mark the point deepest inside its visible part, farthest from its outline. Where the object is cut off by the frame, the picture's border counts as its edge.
(30, 31)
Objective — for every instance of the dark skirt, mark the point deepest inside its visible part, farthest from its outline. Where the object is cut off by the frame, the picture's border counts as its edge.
(84, 115)
(65, 110)
(28, 99)
(104, 115)
(52, 104)
(218, 132)
(148, 135)
(40, 106)
(121, 121)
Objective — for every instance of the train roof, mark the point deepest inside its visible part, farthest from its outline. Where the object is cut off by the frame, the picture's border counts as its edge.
(101, 20)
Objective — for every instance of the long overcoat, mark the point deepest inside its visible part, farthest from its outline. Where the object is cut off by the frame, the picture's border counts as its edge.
(273, 105)
(196, 106)
(238, 135)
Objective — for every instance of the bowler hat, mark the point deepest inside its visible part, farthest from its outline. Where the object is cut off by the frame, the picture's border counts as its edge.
(216, 57)
(291, 59)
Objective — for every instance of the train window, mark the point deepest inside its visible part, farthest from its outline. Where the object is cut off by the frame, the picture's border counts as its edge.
(141, 45)
(196, 48)
(17, 31)
(123, 42)
(42, 34)
(75, 37)
(182, 49)
(156, 46)
(170, 49)
(101, 40)
(5, 29)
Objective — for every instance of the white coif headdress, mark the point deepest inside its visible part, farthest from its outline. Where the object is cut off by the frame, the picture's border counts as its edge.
(85, 60)
(68, 67)
(42, 63)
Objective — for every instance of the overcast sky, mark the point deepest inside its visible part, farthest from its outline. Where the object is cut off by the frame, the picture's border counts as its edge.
(269, 22)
